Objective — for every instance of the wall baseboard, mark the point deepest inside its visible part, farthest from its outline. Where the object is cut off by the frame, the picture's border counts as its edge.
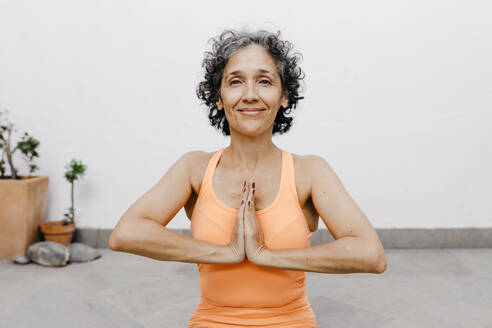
(390, 237)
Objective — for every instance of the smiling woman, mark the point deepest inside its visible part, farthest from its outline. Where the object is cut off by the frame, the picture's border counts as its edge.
(253, 206)
(253, 88)
(225, 69)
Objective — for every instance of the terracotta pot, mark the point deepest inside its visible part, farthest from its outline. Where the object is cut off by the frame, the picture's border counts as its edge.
(22, 209)
(57, 232)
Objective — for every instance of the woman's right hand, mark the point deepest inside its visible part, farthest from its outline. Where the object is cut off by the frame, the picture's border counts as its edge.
(236, 244)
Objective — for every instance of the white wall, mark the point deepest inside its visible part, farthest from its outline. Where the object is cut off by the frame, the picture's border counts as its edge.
(398, 98)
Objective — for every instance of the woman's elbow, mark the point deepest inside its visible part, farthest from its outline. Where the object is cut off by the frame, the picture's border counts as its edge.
(118, 237)
(379, 262)
(113, 242)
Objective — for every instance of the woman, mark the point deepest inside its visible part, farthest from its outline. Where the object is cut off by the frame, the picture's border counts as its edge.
(252, 205)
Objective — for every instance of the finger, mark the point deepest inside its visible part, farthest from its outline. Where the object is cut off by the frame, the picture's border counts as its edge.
(253, 194)
(250, 199)
(240, 216)
(244, 199)
(248, 212)
(244, 193)
(248, 191)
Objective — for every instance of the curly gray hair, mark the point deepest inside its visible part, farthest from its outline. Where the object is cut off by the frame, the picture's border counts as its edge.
(215, 61)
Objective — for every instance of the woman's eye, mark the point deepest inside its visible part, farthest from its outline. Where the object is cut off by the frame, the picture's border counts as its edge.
(264, 81)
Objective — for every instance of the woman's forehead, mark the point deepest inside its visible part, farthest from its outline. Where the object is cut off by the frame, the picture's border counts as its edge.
(257, 71)
(251, 59)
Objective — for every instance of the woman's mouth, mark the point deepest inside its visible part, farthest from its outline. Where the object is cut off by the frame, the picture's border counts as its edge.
(250, 111)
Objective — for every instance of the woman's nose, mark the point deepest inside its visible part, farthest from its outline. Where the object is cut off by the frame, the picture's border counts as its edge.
(250, 93)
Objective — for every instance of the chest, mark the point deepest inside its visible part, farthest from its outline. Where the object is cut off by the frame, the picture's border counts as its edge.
(228, 187)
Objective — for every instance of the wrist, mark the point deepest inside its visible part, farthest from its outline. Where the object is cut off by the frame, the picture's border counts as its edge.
(230, 256)
(265, 257)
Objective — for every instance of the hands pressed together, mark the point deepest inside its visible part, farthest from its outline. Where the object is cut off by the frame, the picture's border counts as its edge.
(247, 238)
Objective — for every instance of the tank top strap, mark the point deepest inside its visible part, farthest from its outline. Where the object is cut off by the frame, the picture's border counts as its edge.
(209, 171)
(290, 178)
(290, 181)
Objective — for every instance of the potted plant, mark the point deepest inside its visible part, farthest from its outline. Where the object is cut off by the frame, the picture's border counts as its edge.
(22, 198)
(62, 231)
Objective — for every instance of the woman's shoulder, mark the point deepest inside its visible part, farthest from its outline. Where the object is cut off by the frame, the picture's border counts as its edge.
(198, 161)
(199, 157)
(304, 161)
(307, 160)
(307, 166)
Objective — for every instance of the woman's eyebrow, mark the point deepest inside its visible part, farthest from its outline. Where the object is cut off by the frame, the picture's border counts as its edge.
(239, 72)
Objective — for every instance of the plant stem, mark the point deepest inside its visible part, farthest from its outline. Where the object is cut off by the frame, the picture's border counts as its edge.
(9, 156)
(73, 208)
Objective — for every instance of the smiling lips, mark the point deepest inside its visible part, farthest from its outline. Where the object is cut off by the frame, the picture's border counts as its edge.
(250, 110)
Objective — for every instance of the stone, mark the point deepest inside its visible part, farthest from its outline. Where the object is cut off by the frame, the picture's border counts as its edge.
(48, 253)
(20, 259)
(80, 252)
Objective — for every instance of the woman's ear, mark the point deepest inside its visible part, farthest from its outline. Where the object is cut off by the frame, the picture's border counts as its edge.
(219, 104)
(285, 99)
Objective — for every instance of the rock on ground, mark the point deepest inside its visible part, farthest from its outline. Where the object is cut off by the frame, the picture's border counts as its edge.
(82, 253)
(48, 253)
(20, 259)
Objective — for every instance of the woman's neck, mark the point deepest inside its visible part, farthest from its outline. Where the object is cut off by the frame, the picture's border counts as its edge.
(249, 153)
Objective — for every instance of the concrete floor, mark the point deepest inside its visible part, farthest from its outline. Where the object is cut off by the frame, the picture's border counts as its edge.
(421, 288)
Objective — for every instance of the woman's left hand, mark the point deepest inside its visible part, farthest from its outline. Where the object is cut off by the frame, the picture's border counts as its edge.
(254, 243)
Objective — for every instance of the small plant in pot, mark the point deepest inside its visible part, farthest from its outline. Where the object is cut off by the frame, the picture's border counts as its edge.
(27, 146)
(62, 231)
(22, 197)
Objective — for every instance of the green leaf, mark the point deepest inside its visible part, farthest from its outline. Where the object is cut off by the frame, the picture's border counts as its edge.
(74, 170)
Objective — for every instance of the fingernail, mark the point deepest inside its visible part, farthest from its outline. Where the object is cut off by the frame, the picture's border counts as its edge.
(253, 184)
(249, 202)
(244, 184)
(242, 202)
(244, 189)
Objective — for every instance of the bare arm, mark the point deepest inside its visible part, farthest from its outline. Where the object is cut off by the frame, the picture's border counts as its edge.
(141, 230)
(357, 247)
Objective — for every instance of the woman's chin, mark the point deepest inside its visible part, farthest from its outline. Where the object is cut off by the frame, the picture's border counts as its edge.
(253, 130)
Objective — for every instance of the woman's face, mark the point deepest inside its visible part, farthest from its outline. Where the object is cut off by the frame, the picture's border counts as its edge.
(251, 82)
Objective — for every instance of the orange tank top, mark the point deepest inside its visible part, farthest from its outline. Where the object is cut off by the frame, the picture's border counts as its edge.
(245, 294)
